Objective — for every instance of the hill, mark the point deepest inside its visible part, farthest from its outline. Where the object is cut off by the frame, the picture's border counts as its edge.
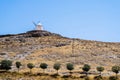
(42, 46)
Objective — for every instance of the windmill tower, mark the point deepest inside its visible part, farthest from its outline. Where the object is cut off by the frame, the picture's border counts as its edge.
(38, 26)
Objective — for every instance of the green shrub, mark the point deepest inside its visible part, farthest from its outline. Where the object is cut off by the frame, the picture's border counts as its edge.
(18, 64)
(113, 78)
(100, 69)
(116, 69)
(5, 64)
(30, 66)
(57, 66)
(70, 67)
(86, 68)
(43, 66)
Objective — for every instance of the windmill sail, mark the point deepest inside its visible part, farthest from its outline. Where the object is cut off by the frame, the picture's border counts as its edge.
(35, 24)
(38, 26)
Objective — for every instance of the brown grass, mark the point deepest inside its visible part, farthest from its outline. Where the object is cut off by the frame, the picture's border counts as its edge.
(48, 49)
(40, 76)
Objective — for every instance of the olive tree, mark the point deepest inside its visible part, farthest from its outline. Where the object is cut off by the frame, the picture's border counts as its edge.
(43, 66)
(5, 64)
(116, 69)
(100, 69)
(30, 66)
(86, 68)
(18, 65)
(57, 66)
(70, 66)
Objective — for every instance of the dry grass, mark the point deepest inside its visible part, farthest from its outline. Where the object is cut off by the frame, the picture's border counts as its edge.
(40, 76)
(48, 49)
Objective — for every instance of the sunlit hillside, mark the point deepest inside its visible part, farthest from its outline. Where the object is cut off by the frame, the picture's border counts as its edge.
(44, 46)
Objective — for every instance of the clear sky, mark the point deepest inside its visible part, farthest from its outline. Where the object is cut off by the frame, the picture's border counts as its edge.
(85, 19)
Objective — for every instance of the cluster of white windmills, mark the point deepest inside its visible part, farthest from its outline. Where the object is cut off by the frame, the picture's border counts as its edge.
(38, 26)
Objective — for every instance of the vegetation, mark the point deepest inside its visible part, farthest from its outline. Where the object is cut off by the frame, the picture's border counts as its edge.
(30, 66)
(18, 64)
(52, 48)
(5, 65)
(113, 78)
(70, 67)
(100, 69)
(86, 68)
(116, 69)
(43, 66)
(57, 66)
(35, 76)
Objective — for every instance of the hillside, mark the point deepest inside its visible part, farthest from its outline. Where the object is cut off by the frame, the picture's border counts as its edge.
(43, 46)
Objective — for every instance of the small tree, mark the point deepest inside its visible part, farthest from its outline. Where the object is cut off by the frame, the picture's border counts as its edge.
(116, 69)
(100, 69)
(70, 67)
(43, 66)
(18, 64)
(30, 66)
(86, 68)
(57, 66)
(6, 65)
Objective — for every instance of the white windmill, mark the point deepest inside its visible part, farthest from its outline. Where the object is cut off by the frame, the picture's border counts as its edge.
(38, 26)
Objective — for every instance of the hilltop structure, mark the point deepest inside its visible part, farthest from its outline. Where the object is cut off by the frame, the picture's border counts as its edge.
(38, 26)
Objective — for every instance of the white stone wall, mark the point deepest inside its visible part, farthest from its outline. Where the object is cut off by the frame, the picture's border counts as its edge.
(39, 27)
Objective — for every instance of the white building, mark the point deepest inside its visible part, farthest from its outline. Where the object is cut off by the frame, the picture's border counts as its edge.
(38, 26)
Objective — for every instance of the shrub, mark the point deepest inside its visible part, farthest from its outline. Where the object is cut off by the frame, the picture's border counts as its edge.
(113, 78)
(30, 66)
(70, 66)
(100, 69)
(86, 68)
(18, 64)
(43, 66)
(5, 64)
(116, 69)
(57, 66)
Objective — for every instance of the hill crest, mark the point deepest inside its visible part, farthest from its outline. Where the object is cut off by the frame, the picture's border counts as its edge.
(32, 33)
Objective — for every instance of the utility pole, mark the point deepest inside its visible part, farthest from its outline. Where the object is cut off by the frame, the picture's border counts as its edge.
(73, 52)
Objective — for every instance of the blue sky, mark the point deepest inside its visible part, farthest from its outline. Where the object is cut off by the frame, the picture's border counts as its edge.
(85, 19)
